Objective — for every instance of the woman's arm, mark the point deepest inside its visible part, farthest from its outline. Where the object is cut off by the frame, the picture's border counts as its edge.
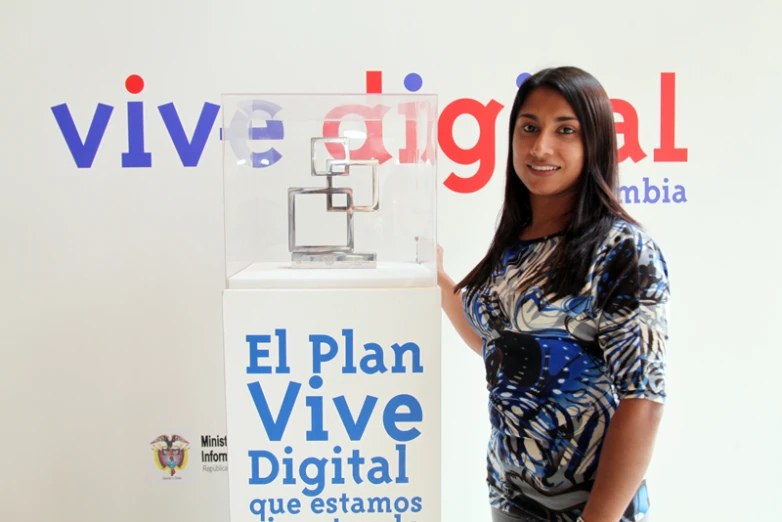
(632, 331)
(452, 305)
(626, 453)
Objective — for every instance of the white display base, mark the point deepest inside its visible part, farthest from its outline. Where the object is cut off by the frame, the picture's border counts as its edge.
(333, 404)
(282, 275)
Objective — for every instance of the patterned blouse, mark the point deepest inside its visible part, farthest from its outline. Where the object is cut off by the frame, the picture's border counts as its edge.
(556, 371)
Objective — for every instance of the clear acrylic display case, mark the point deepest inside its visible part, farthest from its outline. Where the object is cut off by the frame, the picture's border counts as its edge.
(330, 190)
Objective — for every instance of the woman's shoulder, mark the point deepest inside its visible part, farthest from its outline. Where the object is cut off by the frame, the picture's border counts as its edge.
(629, 244)
(623, 232)
(630, 271)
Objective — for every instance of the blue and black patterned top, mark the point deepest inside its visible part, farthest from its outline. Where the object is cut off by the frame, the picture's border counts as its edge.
(556, 371)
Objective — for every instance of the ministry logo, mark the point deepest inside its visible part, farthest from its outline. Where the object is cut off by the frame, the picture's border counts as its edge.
(170, 453)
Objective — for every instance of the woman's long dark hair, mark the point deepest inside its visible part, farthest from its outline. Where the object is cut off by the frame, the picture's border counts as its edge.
(596, 208)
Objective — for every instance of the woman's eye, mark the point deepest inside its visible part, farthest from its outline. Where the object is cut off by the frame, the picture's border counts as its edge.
(568, 130)
(528, 127)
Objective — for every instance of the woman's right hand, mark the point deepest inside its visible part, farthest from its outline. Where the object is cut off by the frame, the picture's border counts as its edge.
(452, 305)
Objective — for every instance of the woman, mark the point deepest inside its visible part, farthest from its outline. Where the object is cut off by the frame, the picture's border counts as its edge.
(568, 310)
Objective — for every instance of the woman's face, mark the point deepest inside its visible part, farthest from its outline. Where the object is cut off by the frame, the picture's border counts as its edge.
(548, 152)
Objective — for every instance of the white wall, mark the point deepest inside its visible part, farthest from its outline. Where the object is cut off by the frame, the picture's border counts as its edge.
(110, 277)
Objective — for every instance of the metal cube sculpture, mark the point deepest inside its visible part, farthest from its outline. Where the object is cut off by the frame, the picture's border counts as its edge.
(333, 256)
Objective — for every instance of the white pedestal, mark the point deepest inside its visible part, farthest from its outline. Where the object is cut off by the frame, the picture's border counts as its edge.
(333, 398)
